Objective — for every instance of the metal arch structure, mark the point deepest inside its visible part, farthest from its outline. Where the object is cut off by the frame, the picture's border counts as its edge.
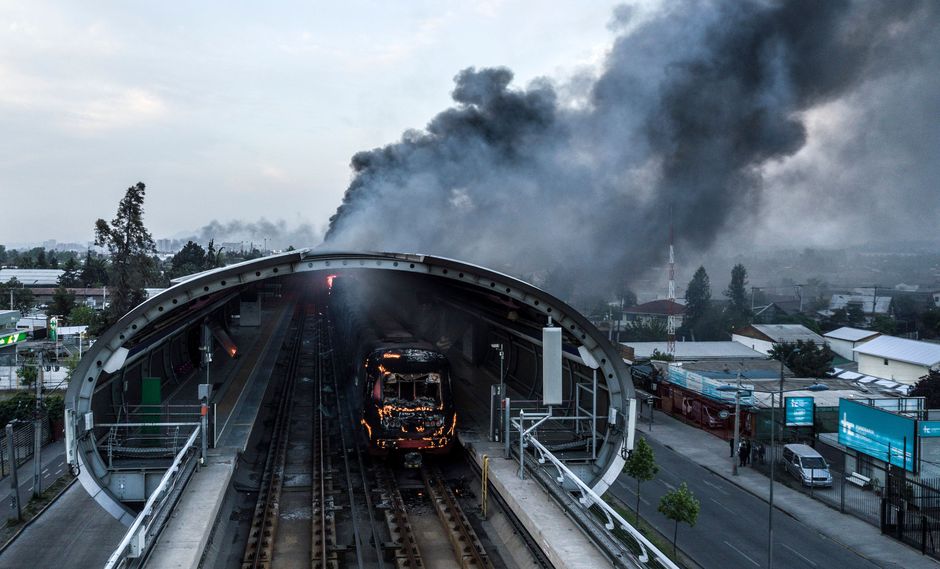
(108, 354)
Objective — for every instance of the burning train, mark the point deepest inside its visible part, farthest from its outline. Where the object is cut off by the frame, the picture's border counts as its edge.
(402, 383)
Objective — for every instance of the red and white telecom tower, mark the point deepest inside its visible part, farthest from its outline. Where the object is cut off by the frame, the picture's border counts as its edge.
(672, 320)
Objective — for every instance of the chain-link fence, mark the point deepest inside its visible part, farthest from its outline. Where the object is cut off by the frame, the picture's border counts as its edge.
(23, 444)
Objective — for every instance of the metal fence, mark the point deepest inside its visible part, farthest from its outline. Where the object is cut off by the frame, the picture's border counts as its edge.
(23, 444)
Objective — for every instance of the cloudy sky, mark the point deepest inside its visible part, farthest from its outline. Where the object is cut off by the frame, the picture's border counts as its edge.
(228, 110)
(233, 112)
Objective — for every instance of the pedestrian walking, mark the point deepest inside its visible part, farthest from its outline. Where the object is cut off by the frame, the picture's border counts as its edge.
(744, 451)
(731, 444)
(760, 452)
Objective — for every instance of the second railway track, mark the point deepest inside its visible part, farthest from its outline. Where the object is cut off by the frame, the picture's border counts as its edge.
(324, 503)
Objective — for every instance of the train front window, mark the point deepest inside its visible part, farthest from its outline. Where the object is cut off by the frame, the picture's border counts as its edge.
(419, 388)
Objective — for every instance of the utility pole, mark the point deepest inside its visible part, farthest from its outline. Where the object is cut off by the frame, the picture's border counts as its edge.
(14, 478)
(37, 432)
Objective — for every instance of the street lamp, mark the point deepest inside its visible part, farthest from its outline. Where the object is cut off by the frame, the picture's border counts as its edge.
(773, 457)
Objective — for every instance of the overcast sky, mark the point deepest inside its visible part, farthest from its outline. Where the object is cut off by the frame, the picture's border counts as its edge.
(231, 110)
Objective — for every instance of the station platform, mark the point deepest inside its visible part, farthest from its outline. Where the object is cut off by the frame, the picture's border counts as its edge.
(559, 537)
(183, 541)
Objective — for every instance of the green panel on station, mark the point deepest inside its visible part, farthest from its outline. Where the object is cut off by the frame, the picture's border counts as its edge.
(150, 401)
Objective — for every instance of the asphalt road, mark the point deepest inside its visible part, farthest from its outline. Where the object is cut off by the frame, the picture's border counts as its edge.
(732, 525)
(53, 466)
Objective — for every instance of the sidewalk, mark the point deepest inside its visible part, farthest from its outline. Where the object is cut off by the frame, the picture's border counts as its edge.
(711, 453)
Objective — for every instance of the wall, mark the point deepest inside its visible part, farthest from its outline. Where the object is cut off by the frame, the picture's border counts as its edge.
(843, 348)
(898, 371)
(753, 343)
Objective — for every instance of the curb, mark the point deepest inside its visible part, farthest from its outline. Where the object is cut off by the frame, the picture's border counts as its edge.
(30, 521)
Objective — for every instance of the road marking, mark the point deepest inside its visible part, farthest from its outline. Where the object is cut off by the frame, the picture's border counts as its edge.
(722, 505)
(800, 555)
(666, 484)
(743, 554)
(45, 470)
(715, 486)
(59, 471)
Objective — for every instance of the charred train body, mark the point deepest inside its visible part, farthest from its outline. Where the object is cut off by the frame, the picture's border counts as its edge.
(401, 382)
(407, 402)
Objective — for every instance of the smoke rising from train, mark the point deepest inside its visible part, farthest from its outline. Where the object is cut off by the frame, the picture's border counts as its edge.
(695, 117)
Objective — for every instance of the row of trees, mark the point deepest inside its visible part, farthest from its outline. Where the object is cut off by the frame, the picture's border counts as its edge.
(678, 505)
(705, 319)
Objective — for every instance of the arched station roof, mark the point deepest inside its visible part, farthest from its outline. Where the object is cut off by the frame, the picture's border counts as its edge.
(109, 353)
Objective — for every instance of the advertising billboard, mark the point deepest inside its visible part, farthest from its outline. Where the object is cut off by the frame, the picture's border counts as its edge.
(706, 385)
(928, 429)
(799, 411)
(877, 433)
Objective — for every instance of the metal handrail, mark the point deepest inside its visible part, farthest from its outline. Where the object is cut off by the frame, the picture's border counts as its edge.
(135, 542)
(589, 498)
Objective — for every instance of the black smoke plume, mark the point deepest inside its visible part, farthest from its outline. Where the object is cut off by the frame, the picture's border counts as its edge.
(691, 107)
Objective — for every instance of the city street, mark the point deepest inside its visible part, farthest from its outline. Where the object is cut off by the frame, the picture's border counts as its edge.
(732, 524)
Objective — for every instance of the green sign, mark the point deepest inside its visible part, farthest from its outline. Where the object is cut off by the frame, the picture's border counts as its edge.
(53, 328)
(10, 339)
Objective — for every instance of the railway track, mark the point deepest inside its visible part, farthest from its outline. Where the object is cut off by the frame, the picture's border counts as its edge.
(324, 503)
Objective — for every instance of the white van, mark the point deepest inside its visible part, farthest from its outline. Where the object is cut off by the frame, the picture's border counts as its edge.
(807, 465)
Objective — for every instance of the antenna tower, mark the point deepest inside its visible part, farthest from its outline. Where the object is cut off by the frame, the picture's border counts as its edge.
(671, 320)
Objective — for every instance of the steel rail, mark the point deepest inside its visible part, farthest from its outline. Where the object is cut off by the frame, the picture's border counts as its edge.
(259, 549)
(468, 551)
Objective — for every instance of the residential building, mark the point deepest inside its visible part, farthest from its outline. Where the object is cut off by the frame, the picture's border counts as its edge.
(844, 340)
(902, 360)
(868, 304)
(8, 319)
(762, 337)
(656, 310)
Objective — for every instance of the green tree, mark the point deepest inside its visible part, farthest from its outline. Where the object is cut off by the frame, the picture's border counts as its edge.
(698, 298)
(661, 356)
(641, 465)
(679, 505)
(94, 271)
(190, 259)
(130, 245)
(805, 358)
(81, 315)
(29, 372)
(23, 298)
(929, 388)
(70, 275)
(738, 313)
(884, 324)
(652, 331)
(63, 302)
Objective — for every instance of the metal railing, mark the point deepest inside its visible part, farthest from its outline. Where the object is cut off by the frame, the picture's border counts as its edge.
(590, 498)
(148, 524)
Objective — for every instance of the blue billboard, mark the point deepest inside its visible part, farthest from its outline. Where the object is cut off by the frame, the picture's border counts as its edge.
(878, 433)
(706, 385)
(799, 411)
(928, 429)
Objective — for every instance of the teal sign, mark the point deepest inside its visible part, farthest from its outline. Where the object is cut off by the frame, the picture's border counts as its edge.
(878, 433)
(799, 411)
(10, 339)
(928, 429)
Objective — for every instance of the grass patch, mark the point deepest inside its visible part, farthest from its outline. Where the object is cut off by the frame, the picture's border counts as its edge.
(662, 542)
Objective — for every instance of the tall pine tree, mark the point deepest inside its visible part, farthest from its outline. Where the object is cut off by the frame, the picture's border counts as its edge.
(130, 245)
(738, 313)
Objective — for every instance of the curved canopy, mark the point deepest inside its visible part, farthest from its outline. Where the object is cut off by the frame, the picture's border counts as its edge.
(109, 353)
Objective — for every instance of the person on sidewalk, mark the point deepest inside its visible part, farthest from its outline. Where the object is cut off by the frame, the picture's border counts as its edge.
(760, 452)
(731, 444)
(744, 451)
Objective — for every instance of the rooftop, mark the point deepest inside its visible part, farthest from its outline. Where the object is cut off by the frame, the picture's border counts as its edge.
(779, 333)
(850, 334)
(32, 277)
(695, 350)
(882, 304)
(663, 306)
(902, 350)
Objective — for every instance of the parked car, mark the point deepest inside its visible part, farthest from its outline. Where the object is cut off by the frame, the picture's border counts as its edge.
(807, 465)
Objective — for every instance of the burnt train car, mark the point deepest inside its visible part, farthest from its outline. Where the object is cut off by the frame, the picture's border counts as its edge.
(407, 404)
(401, 383)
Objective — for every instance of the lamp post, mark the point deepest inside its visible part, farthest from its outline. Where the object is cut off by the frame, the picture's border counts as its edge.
(773, 458)
(738, 391)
